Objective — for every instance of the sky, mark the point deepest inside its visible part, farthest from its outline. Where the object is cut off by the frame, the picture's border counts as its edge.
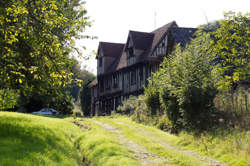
(112, 19)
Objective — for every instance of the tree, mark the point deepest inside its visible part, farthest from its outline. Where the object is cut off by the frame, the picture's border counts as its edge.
(85, 94)
(231, 48)
(185, 83)
(79, 74)
(36, 39)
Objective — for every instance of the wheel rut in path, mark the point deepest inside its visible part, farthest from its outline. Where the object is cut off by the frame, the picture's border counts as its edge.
(204, 160)
(146, 158)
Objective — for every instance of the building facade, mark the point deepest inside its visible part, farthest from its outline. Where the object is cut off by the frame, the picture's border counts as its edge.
(123, 69)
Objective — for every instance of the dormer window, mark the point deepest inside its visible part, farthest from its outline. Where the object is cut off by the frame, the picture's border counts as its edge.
(100, 62)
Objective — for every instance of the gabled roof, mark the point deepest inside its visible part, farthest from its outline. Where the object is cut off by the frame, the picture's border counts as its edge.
(111, 49)
(114, 65)
(159, 33)
(182, 35)
(122, 61)
(141, 40)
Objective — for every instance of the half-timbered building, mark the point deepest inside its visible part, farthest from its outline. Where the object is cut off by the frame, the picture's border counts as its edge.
(123, 69)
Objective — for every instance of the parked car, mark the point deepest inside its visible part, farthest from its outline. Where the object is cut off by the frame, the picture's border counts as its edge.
(46, 111)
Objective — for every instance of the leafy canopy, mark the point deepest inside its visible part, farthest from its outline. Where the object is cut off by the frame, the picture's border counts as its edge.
(232, 48)
(36, 40)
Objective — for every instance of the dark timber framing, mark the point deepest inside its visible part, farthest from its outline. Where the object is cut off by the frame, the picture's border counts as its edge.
(123, 69)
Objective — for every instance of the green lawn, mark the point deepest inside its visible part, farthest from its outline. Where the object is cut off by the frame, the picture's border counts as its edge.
(31, 140)
(34, 140)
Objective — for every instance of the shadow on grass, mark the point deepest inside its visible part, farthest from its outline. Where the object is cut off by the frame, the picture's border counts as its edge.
(54, 116)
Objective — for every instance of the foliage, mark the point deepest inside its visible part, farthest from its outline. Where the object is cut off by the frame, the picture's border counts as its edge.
(228, 145)
(232, 49)
(128, 105)
(85, 92)
(210, 26)
(85, 99)
(164, 124)
(79, 74)
(36, 40)
(8, 99)
(36, 140)
(185, 83)
(152, 98)
(236, 103)
(59, 100)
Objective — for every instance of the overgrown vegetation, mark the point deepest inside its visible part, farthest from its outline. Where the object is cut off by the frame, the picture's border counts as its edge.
(229, 146)
(182, 94)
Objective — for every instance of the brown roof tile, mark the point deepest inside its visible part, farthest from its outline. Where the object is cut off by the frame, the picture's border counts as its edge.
(142, 40)
(111, 49)
(159, 33)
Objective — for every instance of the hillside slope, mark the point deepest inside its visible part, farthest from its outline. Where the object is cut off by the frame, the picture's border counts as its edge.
(27, 140)
(107, 141)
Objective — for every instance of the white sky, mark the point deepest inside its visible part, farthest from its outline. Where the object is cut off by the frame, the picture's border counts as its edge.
(114, 18)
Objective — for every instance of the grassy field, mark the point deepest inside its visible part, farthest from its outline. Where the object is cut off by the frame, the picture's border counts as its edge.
(101, 147)
(27, 140)
(230, 146)
(36, 140)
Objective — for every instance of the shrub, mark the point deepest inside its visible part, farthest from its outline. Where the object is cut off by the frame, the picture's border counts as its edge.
(152, 100)
(184, 86)
(128, 105)
(170, 105)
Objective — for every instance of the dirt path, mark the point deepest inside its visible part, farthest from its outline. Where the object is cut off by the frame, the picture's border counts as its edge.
(204, 160)
(146, 158)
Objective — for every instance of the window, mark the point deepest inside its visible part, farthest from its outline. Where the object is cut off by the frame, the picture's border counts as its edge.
(141, 73)
(107, 83)
(115, 80)
(128, 76)
(101, 86)
(133, 77)
(100, 62)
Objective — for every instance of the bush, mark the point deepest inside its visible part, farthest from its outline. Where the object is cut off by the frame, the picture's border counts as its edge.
(184, 87)
(170, 105)
(152, 100)
(129, 105)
